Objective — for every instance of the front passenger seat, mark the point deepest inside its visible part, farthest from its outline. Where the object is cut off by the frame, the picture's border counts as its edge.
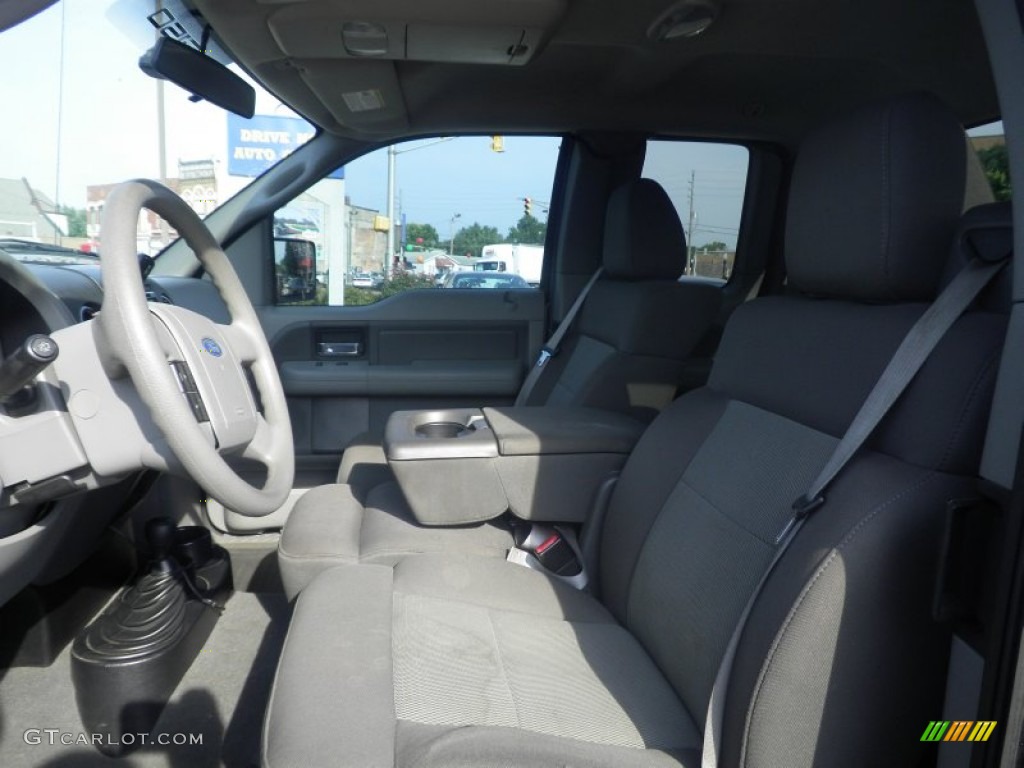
(635, 331)
(625, 353)
(451, 659)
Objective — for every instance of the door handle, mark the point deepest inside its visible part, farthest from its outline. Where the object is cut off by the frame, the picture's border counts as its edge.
(339, 349)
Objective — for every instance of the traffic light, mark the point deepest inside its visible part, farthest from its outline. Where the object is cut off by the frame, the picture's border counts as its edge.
(527, 206)
(497, 143)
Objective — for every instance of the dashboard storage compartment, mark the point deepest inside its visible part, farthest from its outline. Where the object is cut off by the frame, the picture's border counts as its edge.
(461, 466)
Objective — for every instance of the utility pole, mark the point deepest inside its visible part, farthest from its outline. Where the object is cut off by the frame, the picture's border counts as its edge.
(451, 233)
(60, 132)
(161, 141)
(393, 151)
(689, 230)
(390, 256)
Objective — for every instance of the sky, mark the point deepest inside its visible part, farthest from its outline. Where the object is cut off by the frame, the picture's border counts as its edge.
(98, 125)
(102, 118)
(106, 126)
(106, 130)
(435, 180)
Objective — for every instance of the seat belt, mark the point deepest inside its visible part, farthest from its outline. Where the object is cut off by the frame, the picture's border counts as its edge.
(550, 349)
(912, 353)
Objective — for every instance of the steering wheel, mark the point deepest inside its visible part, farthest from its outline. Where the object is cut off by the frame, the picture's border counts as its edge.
(190, 372)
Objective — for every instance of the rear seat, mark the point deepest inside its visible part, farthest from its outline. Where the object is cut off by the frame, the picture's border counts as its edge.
(637, 327)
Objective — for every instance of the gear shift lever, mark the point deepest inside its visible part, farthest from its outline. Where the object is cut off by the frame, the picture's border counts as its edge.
(126, 663)
(161, 534)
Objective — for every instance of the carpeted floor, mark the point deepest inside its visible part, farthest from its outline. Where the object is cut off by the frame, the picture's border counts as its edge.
(220, 700)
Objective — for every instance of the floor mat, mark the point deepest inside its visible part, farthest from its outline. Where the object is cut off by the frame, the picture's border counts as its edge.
(219, 703)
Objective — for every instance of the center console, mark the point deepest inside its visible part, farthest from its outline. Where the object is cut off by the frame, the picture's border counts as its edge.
(544, 464)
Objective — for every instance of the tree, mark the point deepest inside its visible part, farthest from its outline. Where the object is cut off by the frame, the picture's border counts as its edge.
(713, 247)
(424, 231)
(997, 168)
(528, 231)
(473, 238)
(76, 220)
(406, 281)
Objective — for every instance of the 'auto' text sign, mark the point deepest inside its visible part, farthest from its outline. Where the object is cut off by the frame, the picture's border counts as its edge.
(258, 143)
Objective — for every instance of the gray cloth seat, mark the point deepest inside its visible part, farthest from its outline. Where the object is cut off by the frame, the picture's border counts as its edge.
(338, 524)
(456, 659)
(637, 327)
(471, 642)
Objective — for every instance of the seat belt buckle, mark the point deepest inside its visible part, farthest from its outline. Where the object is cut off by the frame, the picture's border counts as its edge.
(546, 548)
(555, 554)
(546, 353)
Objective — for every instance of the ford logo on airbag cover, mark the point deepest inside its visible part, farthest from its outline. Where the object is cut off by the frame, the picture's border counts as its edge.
(212, 347)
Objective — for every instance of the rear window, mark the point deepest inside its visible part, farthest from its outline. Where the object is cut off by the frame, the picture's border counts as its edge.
(706, 182)
(989, 142)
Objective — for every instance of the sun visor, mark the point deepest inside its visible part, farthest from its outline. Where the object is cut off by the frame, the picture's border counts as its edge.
(363, 95)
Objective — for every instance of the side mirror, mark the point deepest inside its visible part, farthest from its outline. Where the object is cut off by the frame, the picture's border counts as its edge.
(295, 278)
(200, 75)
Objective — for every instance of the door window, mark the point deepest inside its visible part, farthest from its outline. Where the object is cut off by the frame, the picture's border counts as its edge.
(460, 205)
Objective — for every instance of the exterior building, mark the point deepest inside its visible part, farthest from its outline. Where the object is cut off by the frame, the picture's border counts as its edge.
(196, 183)
(27, 214)
(712, 263)
(438, 263)
(367, 243)
(980, 143)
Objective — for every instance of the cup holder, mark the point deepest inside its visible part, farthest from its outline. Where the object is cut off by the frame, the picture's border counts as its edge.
(443, 429)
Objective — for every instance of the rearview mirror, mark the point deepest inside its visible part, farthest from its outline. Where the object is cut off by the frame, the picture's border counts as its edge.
(200, 75)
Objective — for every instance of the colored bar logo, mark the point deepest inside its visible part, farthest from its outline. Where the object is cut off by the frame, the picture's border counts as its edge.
(958, 730)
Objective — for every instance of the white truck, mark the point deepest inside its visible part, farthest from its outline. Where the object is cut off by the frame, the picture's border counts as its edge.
(523, 260)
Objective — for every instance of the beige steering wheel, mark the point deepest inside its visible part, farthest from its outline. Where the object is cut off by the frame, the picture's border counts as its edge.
(193, 373)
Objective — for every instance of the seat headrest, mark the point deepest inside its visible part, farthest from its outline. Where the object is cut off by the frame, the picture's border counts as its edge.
(643, 237)
(874, 202)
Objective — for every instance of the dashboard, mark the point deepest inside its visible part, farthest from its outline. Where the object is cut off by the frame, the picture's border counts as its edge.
(52, 519)
(80, 289)
(40, 456)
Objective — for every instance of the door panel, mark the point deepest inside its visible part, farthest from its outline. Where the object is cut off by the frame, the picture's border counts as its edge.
(418, 350)
(422, 349)
(438, 378)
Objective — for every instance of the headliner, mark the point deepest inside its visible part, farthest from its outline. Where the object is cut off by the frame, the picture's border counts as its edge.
(763, 71)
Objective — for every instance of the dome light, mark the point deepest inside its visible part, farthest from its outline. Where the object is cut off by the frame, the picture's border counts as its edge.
(687, 18)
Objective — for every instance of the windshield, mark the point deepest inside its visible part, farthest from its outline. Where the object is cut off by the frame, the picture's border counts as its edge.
(81, 117)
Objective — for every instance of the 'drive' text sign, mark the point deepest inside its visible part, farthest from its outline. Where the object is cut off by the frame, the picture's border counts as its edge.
(258, 143)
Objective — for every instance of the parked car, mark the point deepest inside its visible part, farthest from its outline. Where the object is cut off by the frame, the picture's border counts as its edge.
(363, 280)
(44, 253)
(488, 280)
